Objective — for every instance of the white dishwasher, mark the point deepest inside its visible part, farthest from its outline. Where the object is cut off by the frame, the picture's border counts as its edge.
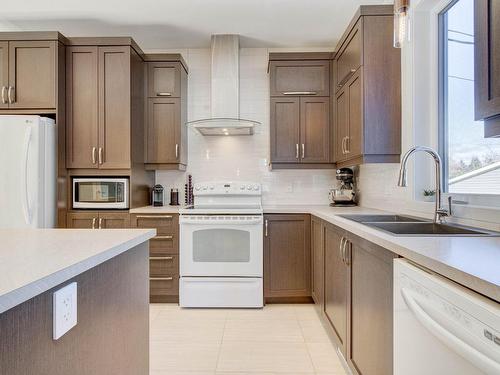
(441, 327)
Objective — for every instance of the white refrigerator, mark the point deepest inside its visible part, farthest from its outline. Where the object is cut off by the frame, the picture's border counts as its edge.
(27, 172)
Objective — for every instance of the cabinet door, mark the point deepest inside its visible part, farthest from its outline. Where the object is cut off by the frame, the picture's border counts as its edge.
(487, 64)
(81, 107)
(371, 316)
(294, 78)
(317, 261)
(314, 130)
(114, 108)
(336, 286)
(4, 73)
(32, 74)
(285, 130)
(349, 59)
(163, 130)
(341, 125)
(354, 143)
(287, 256)
(113, 220)
(82, 220)
(164, 79)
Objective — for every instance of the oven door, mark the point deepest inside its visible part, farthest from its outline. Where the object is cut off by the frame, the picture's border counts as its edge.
(221, 245)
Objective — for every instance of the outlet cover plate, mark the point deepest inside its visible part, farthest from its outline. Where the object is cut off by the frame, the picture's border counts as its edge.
(64, 310)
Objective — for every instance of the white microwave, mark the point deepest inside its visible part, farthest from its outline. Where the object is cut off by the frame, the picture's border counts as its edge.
(101, 193)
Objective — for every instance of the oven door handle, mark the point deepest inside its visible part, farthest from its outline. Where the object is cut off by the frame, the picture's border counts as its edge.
(215, 221)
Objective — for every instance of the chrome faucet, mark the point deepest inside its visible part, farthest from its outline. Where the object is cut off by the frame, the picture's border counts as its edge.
(439, 212)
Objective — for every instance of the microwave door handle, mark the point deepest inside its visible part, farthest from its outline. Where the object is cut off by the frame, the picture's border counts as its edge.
(474, 355)
(24, 176)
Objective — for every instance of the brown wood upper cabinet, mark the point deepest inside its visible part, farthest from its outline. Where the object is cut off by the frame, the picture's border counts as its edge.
(100, 81)
(300, 110)
(299, 77)
(487, 65)
(287, 256)
(28, 71)
(166, 132)
(367, 102)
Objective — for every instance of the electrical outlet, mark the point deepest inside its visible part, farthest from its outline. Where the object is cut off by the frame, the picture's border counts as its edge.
(64, 310)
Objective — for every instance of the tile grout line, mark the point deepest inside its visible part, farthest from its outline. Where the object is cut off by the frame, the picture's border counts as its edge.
(221, 342)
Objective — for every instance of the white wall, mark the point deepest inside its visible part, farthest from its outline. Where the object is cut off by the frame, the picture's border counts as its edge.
(247, 157)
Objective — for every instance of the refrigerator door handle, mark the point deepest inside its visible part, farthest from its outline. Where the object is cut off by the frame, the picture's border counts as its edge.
(24, 175)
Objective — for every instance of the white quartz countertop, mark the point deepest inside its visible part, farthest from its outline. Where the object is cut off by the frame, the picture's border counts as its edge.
(155, 210)
(471, 261)
(33, 261)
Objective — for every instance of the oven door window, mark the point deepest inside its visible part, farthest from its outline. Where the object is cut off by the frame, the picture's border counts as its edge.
(221, 245)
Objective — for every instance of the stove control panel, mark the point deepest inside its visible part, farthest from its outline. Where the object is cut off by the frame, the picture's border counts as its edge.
(227, 188)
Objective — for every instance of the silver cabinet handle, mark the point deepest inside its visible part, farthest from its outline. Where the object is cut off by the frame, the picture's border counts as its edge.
(266, 225)
(344, 252)
(163, 94)
(100, 223)
(9, 94)
(176, 150)
(347, 147)
(296, 150)
(343, 148)
(154, 216)
(3, 95)
(346, 77)
(100, 155)
(93, 155)
(162, 238)
(161, 258)
(340, 248)
(303, 151)
(299, 93)
(170, 278)
(93, 222)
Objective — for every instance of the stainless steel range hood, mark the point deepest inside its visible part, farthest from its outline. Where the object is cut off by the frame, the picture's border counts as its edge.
(225, 91)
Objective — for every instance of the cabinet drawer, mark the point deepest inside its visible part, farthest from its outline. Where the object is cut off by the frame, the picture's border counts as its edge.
(164, 245)
(163, 265)
(349, 59)
(297, 78)
(164, 224)
(164, 285)
(164, 79)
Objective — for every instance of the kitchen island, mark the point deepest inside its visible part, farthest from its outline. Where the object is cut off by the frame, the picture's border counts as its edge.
(111, 270)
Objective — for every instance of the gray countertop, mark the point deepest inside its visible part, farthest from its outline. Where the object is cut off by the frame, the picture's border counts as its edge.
(33, 261)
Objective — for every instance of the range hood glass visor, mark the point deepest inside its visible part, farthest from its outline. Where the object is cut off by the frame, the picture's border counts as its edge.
(224, 126)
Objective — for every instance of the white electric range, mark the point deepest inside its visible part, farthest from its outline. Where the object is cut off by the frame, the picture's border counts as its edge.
(221, 246)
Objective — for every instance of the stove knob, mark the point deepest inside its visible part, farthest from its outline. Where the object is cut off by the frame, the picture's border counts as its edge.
(212, 187)
(249, 187)
(242, 187)
(197, 188)
(205, 187)
(256, 187)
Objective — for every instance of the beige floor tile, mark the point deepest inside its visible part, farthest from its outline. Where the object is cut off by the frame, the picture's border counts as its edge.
(269, 312)
(313, 331)
(239, 356)
(169, 372)
(263, 330)
(182, 330)
(324, 358)
(306, 312)
(178, 313)
(183, 356)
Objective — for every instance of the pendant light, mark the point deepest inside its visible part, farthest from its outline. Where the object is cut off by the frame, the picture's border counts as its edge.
(401, 8)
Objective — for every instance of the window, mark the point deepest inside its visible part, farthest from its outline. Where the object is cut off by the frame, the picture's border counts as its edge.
(471, 162)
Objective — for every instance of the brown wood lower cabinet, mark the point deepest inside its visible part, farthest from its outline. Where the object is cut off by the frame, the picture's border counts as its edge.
(287, 258)
(357, 297)
(98, 220)
(163, 255)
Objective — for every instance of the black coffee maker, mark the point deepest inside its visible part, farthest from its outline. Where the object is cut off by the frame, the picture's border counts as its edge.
(345, 195)
(158, 195)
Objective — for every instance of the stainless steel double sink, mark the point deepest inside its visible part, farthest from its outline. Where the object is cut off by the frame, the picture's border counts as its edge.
(415, 227)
